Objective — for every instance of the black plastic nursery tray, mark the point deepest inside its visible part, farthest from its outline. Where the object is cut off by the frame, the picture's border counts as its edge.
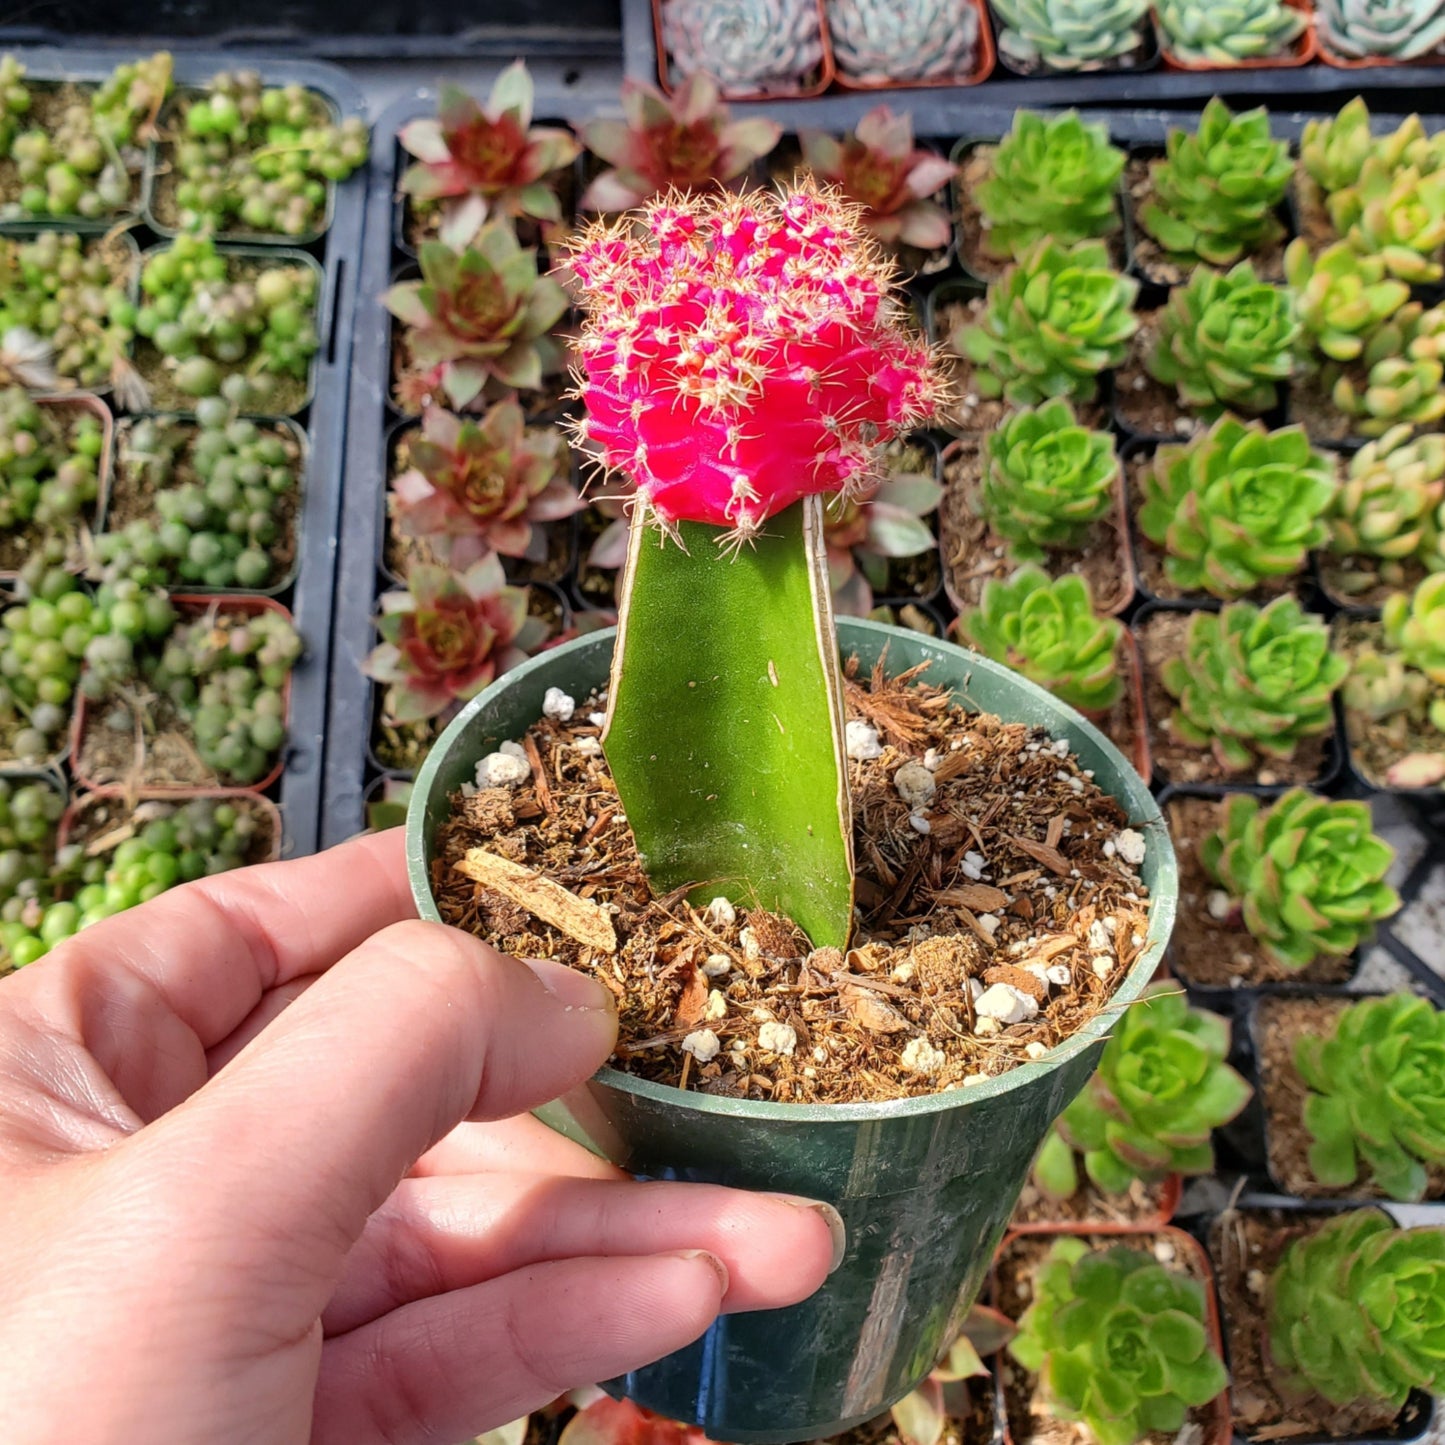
(309, 596)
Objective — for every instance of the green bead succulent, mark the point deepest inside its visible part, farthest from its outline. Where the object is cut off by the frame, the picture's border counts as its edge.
(1048, 630)
(1253, 682)
(1377, 1095)
(1236, 505)
(1053, 321)
(1227, 31)
(1399, 374)
(1340, 298)
(1396, 214)
(1055, 176)
(1046, 479)
(1394, 29)
(1414, 625)
(1224, 341)
(1068, 35)
(1216, 191)
(1356, 1311)
(1118, 1341)
(1162, 1088)
(1386, 506)
(1307, 873)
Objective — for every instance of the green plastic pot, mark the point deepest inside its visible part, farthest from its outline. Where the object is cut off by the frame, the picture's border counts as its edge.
(926, 1186)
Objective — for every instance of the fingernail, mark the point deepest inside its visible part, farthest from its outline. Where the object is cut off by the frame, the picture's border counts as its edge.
(712, 1259)
(837, 1230)
(572, 989)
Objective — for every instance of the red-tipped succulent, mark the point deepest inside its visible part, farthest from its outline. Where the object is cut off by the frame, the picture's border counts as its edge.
(478, 486)
(619, 1422)
(484, 160)
(447, 636)
(686, 143)
(878, 168)
(743, 352)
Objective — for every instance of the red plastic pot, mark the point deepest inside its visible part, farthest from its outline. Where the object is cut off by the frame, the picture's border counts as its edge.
(826, 72)
(984, 60)
(1304, 49)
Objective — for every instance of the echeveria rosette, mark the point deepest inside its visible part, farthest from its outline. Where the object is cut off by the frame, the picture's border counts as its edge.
(1236, 506)
(484, 159)
(477, 485)
(922, 1416)
(1163, 1086)
(1216, 191)
(1047, 630)
(891, 42)
(1399, 375)
(1225, 32)
(1053, 176)
(1118, 1341)
(1069, 35)
(740, 353)
(1396, 214)
(1046, 479)
(1393, 29)
(480, 315)
(1225, 340)
(879, 169)
(1341, 298)
(1356, 1311)
(747, 46)
(1386, 506)
(1376, 1105)
(1253, 682)
(689, 142)
(1053, 322)
(1307, 872)
(447, 636)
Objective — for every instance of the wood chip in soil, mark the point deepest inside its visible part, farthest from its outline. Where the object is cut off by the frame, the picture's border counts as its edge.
(1281, 1023)
(1378, 746)
(1162, 636)
(1245, 1246)
(1090, 1206)
(1210, 952)
(1017, 868)
(1029, 1417)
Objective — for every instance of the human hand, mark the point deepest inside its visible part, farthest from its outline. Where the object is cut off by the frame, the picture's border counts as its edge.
(240, 1203)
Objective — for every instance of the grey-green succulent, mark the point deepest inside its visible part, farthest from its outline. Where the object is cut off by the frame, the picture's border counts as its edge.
(881, 41)
(1068, 34)
(1394, 29)
(745, 45)
(1224, 32)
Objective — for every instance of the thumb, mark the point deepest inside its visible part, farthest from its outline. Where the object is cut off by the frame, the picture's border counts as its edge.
(310, 1128)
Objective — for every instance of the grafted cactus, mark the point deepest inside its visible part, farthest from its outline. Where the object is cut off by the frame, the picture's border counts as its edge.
(1399, 374)
(1225, 33)
(1053, 176)
(1253, 682)
(1341, 299)
(480, 315)
(1046, 479)
(1377, 1095)
(690, 142)
(1386, 507)
(1356, 1311)
(1048, 631)
(1054, 320)
(1393, 29)
(1216, 191)
(878, 168)
(807, 374)
(1069, 34)
(1162, 1088)
(888, 41)
(1118, 1341)
(483, 159)
(1307, 873)
(1224, 341)
(747, 46)
(1236, 506)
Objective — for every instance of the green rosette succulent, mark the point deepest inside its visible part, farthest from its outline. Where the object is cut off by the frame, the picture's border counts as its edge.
(1224, 341)
(1236, 505)
(1068, 34)
(1377, 1095)
(1341, 298)
(1386, 506)
(1393, 29)
(1053, 321)
(1334, 148)
(1414, 625)
(1356, 1311)
(1046, 479)
(1048, 630)
(1307, 873)
(1055, 176)
(1216, 190)
(1399, 374)
(1162, 1088)
(1225, 32)
(1253, 682)
(1397, 215)
(1117, 1341)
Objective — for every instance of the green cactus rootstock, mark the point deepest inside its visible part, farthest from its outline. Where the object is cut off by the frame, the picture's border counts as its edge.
(729, 753)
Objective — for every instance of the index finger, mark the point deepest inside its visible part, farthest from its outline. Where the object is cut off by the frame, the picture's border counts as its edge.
(148, 991)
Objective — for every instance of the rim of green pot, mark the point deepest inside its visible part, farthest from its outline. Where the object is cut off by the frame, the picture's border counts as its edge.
(1129, 789)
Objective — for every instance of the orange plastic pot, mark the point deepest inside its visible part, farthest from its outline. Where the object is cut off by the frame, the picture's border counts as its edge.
(826, 71)
(984, 60)
(1304, 49)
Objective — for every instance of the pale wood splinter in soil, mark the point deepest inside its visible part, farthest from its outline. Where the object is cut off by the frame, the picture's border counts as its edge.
(541, 897)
